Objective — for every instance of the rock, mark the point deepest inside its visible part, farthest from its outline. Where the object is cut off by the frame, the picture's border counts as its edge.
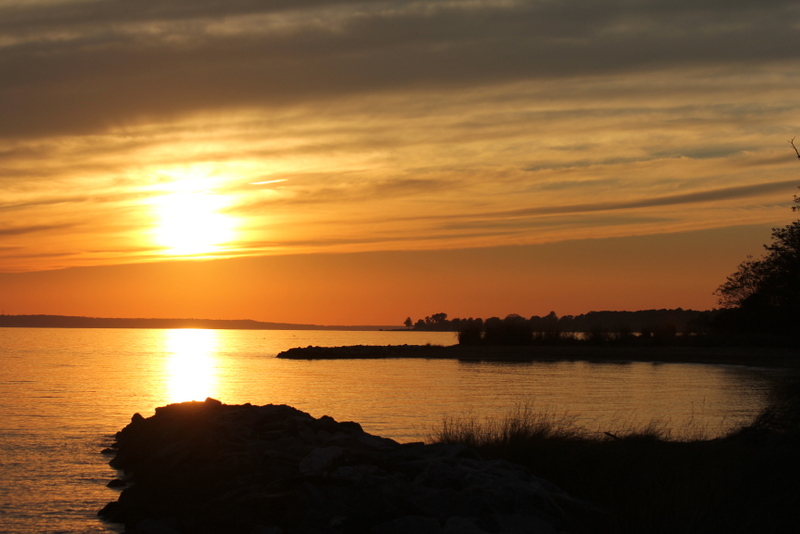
(320, 461)
(364, 352)
(207, 467)
(149, 526)
(405, 524)
(462, 525)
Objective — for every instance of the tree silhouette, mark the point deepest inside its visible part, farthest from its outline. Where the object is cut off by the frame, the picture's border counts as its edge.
(766, 291)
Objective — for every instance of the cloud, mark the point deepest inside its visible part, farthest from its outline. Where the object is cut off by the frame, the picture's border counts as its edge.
(91, 66)
(522, 225)
(320, 191)
(99, 199)
(727, 193)
(374, 242)
(21, 230)
(392, 123)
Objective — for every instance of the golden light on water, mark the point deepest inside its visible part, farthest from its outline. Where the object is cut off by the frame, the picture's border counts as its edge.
(191, 371)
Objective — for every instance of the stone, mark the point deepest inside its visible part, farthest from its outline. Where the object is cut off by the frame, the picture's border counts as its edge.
(320, 461)
(409, 525)
(201, 467)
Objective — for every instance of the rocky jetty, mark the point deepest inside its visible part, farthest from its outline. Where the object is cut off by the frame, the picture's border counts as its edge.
(780, 357)
(356, 352)
(208, 467)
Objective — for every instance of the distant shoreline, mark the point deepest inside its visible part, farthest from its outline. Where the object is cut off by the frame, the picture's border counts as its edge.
(774, 357)
(70, 321)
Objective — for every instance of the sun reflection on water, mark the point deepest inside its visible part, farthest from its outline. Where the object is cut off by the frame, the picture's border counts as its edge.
(191, 371)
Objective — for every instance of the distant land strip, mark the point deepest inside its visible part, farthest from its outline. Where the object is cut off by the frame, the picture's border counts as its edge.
(68, 321)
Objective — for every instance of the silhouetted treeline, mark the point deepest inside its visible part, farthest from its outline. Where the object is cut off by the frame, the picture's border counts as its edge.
(680, 320)
(763, 296)
(605, 326)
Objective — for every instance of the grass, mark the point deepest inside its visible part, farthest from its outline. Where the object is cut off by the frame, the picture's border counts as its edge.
(645, 482)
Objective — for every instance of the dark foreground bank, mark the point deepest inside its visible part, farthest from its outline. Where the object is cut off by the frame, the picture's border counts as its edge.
(670, 353)
(739, 484)
(207, 467)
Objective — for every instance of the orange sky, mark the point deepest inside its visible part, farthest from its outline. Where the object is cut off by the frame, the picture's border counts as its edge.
(351, 163)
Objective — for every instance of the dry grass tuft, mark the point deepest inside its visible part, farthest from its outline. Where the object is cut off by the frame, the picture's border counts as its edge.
(648, 482)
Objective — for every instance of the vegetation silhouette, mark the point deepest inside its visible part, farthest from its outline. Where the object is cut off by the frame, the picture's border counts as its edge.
(594, 328)
(643, 480)
(759, 305)
(743, 482)
(763, 295)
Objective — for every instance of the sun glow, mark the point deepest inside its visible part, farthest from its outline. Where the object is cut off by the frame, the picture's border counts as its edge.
(190, 223)
(189, 217)
(191, 367)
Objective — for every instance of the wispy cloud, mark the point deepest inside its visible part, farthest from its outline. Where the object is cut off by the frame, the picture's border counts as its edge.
(21, 230)
(45, 201)
(728, 193)
(80, 66)
(411, 124)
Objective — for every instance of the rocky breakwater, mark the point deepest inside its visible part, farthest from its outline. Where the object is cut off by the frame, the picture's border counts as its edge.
(364, 352)
(207, 467)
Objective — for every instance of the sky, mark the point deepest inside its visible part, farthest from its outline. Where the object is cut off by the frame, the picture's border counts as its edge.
(333, 162)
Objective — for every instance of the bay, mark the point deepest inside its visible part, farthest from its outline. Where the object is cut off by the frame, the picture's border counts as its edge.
(65, 392)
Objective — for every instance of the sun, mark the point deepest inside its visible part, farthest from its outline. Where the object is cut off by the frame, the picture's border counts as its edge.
(191, 223)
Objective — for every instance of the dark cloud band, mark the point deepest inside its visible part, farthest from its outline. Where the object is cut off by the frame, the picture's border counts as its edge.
(88, 66)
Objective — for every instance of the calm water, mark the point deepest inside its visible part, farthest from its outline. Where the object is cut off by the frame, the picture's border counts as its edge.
(64, 393)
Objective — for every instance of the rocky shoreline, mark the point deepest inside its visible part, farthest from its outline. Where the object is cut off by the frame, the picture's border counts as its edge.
(357, 352)
(208, 467)
(714, 355)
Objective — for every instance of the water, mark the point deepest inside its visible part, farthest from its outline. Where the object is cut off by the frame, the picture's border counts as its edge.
(64, 393)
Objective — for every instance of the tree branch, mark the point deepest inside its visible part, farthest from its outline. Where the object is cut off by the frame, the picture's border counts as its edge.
(791, 142)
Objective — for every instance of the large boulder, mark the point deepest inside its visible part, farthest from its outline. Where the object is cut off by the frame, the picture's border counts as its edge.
(207, 467)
